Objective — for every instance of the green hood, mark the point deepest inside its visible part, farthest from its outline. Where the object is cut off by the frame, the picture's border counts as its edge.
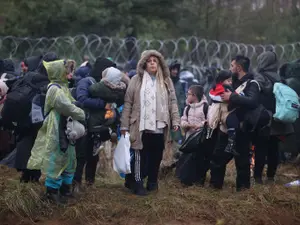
(57, 70)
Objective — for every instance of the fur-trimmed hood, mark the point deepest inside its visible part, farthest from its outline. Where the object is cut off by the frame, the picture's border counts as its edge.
(145, 56)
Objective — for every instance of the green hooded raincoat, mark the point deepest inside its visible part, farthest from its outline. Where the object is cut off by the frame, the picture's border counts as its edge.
(46, 154)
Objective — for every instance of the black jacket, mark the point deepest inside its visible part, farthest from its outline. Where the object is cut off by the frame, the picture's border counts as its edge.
(250, 100)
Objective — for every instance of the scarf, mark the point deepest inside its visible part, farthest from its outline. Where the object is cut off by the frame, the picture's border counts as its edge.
(154, 104)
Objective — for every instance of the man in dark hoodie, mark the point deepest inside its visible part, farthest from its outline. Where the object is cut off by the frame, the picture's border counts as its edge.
(85, 146)
(243, 104)
(267, 144)
(31, 64)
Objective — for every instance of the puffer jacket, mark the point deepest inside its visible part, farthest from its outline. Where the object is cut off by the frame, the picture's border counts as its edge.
(83, 95)
(195, 116)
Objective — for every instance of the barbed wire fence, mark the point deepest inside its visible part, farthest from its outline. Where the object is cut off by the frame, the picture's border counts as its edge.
(193, 53)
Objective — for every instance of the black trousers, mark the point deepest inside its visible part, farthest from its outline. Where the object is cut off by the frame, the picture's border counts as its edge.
(220, 159)
(204, 156)
(85, 158)
(24, 146)
(266, 151)
(192, 167)
(30, 176)
(147, 161)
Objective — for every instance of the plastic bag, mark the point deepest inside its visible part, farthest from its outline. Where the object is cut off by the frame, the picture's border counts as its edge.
(121, 161)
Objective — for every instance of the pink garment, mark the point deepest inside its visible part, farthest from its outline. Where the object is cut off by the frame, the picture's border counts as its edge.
(2, 99)
(195, 116)
(3, 88)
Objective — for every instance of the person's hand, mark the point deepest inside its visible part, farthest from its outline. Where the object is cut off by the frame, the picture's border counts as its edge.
(226, 95)
(175, 128)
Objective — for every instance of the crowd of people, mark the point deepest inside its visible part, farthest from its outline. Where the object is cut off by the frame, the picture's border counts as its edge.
(61, 115)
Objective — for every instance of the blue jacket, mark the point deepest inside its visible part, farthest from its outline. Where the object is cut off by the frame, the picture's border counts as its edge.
(83, 96)
(81, 72)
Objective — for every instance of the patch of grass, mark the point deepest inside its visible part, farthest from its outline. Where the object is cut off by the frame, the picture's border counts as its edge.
(110, 203)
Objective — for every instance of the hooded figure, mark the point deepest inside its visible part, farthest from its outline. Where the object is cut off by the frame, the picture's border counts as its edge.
(82, 72)
(150, 111)
(32, 63)
(111, 89)
(267, 145)
(58, 166)
(100, 65)
(267, 74)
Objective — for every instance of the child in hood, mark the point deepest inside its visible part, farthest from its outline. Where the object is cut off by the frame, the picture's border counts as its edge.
(215, 115)
(111, 89)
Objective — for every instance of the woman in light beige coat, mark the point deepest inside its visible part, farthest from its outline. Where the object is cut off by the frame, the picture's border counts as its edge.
(150, 110)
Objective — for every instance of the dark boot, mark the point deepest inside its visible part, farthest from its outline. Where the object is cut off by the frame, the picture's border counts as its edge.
(129, 182)
(77, 188)
(270, 181)
(139, 189)
(25, 177)
(152, 187)
(230, 148)
(66, 191)
(200, 182)
(35, 176)
(258, 180)
(53, 196)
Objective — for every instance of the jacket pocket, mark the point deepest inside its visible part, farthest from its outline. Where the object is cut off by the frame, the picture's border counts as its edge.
(132, 121)
(133, 129)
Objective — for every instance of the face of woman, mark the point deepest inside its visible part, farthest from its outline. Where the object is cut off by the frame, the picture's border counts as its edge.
(152, 65)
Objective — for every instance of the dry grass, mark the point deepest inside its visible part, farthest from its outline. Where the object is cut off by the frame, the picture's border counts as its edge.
(110, 203)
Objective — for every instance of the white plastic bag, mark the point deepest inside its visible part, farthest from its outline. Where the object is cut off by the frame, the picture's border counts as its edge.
(122, 155)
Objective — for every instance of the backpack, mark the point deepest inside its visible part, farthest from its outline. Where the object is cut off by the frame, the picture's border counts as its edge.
(205, 110)
(37, 107)
(287, 102)
(17, 105)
